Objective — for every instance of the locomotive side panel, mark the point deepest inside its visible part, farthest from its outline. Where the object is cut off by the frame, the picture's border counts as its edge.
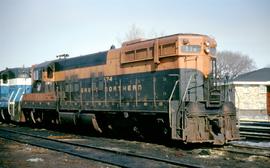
(143, 92)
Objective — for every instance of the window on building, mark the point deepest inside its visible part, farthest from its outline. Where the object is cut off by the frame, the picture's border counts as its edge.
(262, 89)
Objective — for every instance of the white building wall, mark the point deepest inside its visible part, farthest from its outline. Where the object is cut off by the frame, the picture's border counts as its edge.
(251, 101)
(250, 97)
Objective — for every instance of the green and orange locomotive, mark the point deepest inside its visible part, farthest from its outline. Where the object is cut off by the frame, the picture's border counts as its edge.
(164, 85)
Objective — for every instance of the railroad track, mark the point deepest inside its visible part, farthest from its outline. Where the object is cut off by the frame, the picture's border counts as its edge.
(258, 130)
(100, 154)
(246, 149)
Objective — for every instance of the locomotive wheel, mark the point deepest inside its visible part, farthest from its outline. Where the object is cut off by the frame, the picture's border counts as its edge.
(53, 118)
(55, 121)
(27, 116)
(36, 117)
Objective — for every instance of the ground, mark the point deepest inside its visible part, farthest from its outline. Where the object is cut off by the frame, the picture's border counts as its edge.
(13, 155)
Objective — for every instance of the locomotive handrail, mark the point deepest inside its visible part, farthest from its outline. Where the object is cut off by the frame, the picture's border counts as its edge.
(182, 101)
(9, 100)
(185, 93)
(170, 99)
(20, 100)
(176, 122)
(13, 102)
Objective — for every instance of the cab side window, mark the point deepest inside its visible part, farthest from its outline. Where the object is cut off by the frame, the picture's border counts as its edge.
(5, 79)
(49, 72)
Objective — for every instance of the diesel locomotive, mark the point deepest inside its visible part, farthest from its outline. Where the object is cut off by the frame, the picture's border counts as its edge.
(14, 82)
(165, 85)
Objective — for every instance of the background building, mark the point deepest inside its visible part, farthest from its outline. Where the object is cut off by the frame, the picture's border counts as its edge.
(251, 95)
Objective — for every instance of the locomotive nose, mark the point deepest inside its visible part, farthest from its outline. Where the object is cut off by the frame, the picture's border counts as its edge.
(215, 124)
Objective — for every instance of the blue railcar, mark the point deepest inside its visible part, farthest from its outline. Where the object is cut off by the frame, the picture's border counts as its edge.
(14, 83)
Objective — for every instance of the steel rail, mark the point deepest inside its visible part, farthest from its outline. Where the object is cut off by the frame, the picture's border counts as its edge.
(248, 152)
(119, 158)
(250, 147)
(255, 129)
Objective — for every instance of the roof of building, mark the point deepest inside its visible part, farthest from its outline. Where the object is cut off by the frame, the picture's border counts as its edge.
(257, 76)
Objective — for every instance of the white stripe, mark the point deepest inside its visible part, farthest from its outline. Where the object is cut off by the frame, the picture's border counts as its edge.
(20, 81)
(3, 84)
(251, 83)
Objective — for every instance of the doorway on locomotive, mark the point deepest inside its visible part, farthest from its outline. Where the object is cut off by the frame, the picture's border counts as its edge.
(69, 93)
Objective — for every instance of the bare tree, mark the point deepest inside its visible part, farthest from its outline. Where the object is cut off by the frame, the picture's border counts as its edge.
(134, 33)
(154, 34)
(232, 64)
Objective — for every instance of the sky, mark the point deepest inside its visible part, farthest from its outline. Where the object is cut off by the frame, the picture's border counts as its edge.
(34, 31)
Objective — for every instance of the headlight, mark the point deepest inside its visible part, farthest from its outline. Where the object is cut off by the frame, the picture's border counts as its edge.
(207, 50)
(207, 44)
